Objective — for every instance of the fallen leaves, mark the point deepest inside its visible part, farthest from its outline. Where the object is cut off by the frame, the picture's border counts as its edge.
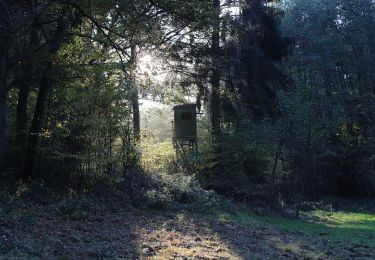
(159, 235)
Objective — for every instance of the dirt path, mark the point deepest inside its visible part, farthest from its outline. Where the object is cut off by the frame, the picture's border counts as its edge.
(157, 235)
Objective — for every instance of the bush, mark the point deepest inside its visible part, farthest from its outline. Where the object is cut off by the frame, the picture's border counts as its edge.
(77, 208)
(237, 165)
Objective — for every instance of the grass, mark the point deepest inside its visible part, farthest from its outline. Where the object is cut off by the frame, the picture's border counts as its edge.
(348, 227)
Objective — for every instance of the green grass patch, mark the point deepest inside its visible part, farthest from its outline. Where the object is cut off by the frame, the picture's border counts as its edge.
(349, 227)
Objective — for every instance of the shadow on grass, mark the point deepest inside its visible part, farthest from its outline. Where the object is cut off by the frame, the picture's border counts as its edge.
(50, 236)
(194, 236)
(142, 234)
(344, 226)
(320, 234)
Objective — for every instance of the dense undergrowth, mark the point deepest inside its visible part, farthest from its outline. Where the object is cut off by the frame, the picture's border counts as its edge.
(180, 217)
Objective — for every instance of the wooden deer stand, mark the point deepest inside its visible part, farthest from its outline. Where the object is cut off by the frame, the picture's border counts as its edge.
(185, 130)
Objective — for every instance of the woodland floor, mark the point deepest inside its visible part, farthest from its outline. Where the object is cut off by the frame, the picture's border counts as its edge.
(41, 232)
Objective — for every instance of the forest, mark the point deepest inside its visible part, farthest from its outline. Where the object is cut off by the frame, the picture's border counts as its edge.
(94, 159)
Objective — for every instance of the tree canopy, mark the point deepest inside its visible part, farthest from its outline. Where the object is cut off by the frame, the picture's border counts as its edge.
(286, 89)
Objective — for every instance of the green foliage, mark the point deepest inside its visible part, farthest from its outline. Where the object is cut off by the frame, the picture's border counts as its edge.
(311, 134)
(241, 168)
(169, 182)
(89, 130)
(328, 109)
(158, 157)
(76, 208)
(180, 191)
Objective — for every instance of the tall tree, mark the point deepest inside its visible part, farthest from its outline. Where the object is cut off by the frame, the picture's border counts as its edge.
(25, 84)
(3, 92)
(56, 38)
(215, 74)
(135, 102)
(331, 66)
(5, 38)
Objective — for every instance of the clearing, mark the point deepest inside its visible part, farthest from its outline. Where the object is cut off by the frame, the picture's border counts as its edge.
(42, 232)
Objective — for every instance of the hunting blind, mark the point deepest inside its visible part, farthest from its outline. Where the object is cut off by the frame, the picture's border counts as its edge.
(185, 125)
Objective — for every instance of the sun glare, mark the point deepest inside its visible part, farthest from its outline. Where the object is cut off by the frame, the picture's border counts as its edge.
(147, 58)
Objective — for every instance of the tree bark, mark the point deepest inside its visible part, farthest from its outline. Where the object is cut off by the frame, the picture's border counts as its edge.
(274, 168)
(37, 123)
(3, 97)
(215, 104)
(21, 117)
(23, 94)
(135, 101)
(136, 119)
(216, 75)
(46, 85)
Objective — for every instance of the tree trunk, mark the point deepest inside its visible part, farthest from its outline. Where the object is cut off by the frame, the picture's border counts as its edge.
(41, 103)
(37, 123)
(216, 75)
(23, 94)
(136, 119)
(274, 168)
(135, 101)
(308, 187)
(215, 104)
(3, 97)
